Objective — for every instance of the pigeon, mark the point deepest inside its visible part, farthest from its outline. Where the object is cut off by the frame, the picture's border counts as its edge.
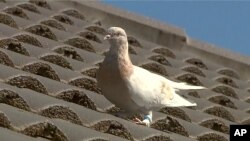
(133, 88)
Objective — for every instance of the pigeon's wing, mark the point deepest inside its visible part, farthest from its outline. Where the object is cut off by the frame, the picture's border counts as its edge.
(150, 90)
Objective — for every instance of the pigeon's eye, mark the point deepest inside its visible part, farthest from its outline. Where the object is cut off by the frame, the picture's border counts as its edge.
(116, 34)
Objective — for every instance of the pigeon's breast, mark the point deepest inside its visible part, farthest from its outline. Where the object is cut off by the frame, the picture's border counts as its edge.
(115, 88)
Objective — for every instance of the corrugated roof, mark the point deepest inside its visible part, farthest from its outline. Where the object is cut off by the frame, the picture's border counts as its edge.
(51, 50)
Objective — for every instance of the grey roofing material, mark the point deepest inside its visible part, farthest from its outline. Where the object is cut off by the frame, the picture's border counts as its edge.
(50, 52)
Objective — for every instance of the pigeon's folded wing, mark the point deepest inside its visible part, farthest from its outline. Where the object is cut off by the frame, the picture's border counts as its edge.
(150, 90)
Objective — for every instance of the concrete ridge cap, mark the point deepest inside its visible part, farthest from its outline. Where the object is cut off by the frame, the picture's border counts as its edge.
(219, 51)
(133, 17)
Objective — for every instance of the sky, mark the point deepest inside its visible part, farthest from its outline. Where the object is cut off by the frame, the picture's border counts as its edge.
(225, 24)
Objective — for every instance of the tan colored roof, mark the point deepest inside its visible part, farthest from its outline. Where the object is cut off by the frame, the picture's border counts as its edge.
(51, 50)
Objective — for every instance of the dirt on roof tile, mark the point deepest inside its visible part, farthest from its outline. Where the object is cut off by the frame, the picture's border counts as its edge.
(11, 98)
(132, 50)
(16, 11)
(41, 69)
(86, 84)
(194, 70)
(97, 29)
(156, 68)
(165, 52)
(220, 112)
(74, 13)
(190, 79)
(160, 59)
(90, 36)
(28, 6)
(197, 62)
(114, 128)
(80, 43)
(57, 59)
(216, 125)
(90, 72)
(46, 130)
(62, 112)
(223, 100)
(229, 73)
(42, 30)
(77, 97)
(211, 137)
(64, 19)
(8, 20)
(5, 60)
(227, 81)
(54, 24)
(13, 45)
(27, 82)
(134, 42)
(69, 52)
(4, 121)
(158, 138)
(41, 3)
(226, 91)
(176, 112)
(170, 124)
(26, 38)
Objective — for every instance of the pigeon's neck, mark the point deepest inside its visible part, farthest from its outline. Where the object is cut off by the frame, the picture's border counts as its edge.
(119, 50)
(119, 57)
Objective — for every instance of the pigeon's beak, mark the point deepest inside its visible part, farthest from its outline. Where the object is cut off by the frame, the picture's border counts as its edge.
(107, 37)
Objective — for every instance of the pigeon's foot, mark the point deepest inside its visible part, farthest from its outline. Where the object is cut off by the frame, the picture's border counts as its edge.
(146, 121)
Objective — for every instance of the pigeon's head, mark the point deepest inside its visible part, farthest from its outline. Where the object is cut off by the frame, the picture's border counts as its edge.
(116, 35)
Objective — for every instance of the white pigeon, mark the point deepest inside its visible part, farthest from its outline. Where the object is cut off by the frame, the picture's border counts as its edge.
(133, 88)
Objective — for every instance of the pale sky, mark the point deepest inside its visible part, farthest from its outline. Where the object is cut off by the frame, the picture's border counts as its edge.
(225, 24)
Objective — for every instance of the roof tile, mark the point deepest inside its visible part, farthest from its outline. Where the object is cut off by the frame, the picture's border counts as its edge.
(50, 52)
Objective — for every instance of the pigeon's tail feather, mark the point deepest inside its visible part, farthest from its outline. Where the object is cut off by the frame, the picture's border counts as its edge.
(178, 101)
(183, 86)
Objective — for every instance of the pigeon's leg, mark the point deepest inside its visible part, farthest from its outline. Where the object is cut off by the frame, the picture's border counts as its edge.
(147, 119)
